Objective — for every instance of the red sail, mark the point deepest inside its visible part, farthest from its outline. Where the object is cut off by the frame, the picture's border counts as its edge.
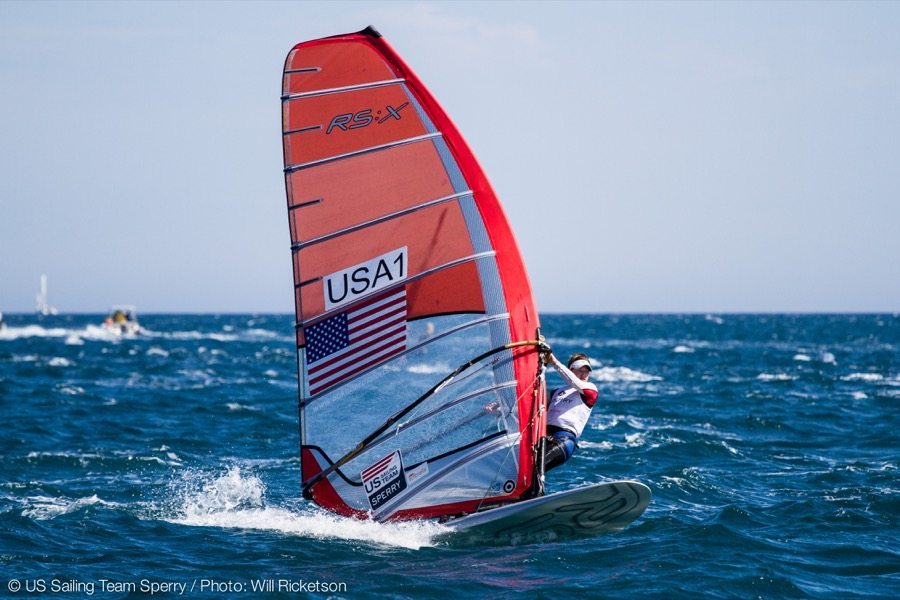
(401, 254)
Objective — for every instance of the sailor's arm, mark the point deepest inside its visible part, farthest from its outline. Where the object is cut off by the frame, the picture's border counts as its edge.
(587, 389)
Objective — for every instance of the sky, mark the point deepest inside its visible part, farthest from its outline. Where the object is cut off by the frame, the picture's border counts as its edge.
(651, 157)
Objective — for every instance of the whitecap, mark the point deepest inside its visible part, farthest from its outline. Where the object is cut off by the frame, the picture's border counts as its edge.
(635, 440)
(81, 457)
(74, 340)
(263, 333)
(681, 349)
(222, 338)
(731, 449)
(197, 335)
(802, 357)
(859, 395)
(26, 358)
(71, 390)
(635, 423)
(678, 481)
(130, 455)
(43, 508)
(595, 445)
(157, 351)
(776, 377)
(58, 361)
(622, 374)
(234, 406)
(605, 422)
(868, 377)
(828, 358)
(14, 333)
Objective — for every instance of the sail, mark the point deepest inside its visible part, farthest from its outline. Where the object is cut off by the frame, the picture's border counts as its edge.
(420, 391)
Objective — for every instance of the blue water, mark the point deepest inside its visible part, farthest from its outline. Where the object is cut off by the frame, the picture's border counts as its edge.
(770, 443)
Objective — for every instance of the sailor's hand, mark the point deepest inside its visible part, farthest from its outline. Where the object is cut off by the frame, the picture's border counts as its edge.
(543, 347)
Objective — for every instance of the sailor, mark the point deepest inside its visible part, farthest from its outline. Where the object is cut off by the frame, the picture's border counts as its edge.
(569, 409)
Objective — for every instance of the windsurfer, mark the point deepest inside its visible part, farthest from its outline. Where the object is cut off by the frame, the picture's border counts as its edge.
(569, 409)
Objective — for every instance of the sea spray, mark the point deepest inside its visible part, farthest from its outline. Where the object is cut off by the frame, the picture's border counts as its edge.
(237, 499)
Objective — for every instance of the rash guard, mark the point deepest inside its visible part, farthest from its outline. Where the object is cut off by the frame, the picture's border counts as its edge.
(570, 407)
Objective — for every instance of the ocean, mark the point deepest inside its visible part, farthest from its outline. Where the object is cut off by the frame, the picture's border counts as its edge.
(168, 465)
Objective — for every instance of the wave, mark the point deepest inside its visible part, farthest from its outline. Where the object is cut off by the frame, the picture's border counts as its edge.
(10, 333)
(70, 390)
(867, 377)
(43, 508)
(776, 377)
(84, 459)
(622, 374)
(76, 336)
(236, 407)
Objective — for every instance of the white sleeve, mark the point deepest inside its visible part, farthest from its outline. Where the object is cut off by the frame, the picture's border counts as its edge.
(570, 377)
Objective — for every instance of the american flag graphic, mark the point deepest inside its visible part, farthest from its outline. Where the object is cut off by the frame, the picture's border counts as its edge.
(354, 340)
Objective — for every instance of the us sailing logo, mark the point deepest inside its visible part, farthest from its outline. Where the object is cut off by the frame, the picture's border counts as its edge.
(364, 118)
(384, 480)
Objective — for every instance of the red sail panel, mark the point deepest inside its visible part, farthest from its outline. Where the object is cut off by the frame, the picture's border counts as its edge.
(363, 188)
(330, 125)
(333, 65)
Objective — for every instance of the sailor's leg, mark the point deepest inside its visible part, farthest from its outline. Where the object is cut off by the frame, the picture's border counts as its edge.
(555, 454)
(560, 448)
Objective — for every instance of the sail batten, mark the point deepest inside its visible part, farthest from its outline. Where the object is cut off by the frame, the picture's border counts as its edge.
(330, 159)
(346, 88)
(302, 70)
(404, 266)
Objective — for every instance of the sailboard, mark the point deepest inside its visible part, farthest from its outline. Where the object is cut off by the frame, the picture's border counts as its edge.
(580, 512)
(421, 387)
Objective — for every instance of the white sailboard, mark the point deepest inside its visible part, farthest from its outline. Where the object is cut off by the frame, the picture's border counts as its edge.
(581, 512)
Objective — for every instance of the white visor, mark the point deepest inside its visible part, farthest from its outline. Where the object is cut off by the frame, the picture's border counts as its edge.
(580, 363)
